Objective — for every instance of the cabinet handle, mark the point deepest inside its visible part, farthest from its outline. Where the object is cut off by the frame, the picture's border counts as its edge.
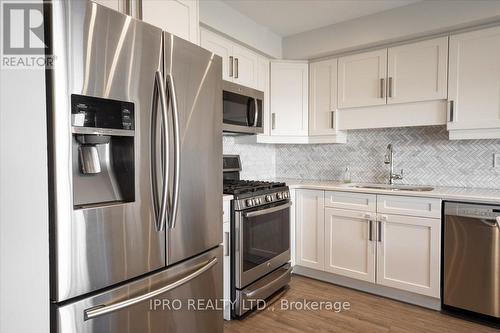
(382, 88)
(230, 66)
(226, 244)
(236, 68)
(370, 230)
(451, 106)
(127, 6)
(139, 9)
(379, 238)
(332, 120)
(390, 87)
(273, 120)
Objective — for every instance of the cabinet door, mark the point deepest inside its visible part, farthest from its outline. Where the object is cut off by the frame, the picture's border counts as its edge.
(349, 247)
(474, 82)
(222, 47)
(263, 85)
(179, 17)
(118, 5)
(245, 66)
(418, 72)
(361, 79)
(322, 97)
(309, 229)
(408, 253)
(289, 98)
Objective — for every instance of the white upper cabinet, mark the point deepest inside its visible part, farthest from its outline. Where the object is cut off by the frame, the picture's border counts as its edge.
(361, 79)
(474, 85)
(179, 17)
(118, 5)
(303, 108)
(222, 47)
(239, 64)
(418, 72)
(323, 97)
(245, 66)
(289, 98)
(263, 68)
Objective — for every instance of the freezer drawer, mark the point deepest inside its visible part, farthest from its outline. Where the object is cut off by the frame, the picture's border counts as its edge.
(184, 298)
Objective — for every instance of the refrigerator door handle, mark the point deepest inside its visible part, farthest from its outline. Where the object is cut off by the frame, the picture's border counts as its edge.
(161, 211)
(177, 151)
(103, 309)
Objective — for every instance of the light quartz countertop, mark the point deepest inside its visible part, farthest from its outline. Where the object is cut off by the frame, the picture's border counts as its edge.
(477, 195)
(226, 197)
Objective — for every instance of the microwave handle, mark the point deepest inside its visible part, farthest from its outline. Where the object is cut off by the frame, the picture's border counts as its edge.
(256, 117)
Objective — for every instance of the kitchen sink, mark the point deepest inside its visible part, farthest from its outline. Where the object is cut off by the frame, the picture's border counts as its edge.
(388, 187)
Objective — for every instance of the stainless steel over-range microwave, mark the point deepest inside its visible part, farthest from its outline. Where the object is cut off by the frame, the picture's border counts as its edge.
(243, 109)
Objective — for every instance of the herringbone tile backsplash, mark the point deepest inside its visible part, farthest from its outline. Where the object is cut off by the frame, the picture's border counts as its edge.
(425, 154)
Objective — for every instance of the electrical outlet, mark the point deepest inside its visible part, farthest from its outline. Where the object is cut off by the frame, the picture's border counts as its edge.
(496, 160)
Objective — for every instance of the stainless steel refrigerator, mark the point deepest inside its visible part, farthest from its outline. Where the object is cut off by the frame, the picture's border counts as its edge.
(135, 132)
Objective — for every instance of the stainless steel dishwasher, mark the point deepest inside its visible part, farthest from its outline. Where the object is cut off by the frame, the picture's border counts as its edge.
(471, 258)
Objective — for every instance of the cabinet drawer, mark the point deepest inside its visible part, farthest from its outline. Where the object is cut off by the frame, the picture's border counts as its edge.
(410, 206)
(353, 201)
(226, 210)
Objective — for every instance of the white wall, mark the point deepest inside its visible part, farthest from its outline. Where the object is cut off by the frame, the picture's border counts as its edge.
(412, 21)
(221, 17)
(24, 227)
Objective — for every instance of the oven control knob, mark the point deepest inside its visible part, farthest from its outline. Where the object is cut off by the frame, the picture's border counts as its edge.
(287, 195)
(258, 201)
(279, 196)
(269, 198)
(249, 202)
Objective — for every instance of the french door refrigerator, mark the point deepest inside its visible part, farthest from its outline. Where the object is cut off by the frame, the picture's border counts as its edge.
(135, 132)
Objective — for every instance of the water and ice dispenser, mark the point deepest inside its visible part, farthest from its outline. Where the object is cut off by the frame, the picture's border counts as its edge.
(103, 132)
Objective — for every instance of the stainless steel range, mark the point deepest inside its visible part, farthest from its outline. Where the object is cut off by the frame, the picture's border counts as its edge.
(260, 237)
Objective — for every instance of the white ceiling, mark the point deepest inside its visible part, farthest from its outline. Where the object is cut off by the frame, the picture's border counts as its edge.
(289, 17)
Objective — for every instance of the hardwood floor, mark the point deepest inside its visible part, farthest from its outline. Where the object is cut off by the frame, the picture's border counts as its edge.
(368, 313)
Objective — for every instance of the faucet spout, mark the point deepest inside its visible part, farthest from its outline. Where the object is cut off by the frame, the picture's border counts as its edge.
(389, 159)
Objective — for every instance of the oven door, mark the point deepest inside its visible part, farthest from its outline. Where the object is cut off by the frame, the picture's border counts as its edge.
(242, 110)
(262, 241)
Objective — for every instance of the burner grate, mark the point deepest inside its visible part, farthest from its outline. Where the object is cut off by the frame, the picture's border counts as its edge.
(245, 186)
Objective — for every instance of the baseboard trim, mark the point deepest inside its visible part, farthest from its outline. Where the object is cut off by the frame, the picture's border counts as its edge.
(392, 293)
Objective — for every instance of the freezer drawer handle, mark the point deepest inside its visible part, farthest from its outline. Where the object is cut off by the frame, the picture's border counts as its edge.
(104, 309)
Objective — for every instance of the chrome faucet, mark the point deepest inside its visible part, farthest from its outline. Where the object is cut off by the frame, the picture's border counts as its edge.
(389, 159)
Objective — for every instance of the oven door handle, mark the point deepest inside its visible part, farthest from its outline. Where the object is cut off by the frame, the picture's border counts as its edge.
(268, 210)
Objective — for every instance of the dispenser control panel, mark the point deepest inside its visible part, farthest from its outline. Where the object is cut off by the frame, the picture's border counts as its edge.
(94, 112)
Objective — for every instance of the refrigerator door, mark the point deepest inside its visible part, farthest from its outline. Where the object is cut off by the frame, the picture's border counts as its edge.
(191, 302)
(105, 54)
(194, 90)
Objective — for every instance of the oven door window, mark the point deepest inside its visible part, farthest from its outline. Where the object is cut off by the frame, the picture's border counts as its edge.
(265, 237)
(240, 110)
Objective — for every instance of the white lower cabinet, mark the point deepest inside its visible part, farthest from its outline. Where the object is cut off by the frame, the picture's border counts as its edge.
(310, 228)
(349, 247)
(398, 251)
(408, 253)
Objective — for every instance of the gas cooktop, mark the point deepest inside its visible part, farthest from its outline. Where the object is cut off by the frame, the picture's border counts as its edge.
(235, 187)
